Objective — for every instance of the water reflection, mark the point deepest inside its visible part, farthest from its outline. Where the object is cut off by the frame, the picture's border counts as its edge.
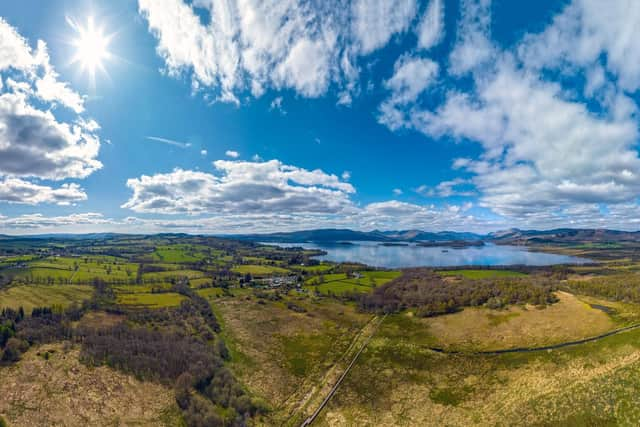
(377, 255)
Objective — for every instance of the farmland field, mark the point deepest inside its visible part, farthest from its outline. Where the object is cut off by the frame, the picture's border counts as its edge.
(150, 300)
(30, 296)
(259, 270)
(340, 283)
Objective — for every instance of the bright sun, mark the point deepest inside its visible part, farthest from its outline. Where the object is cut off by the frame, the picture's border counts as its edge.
(92, 47)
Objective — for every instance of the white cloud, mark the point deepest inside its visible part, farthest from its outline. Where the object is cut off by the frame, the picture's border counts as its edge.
(254, 45)
(346, 175)
(376, 21)
(240, 187)
(431, 28)
(576, 157)
(232, 153)
(34, 144)
(307, 66)
(397, 192)
(50, 89)
(14, 190)
(411, 77)
(39, 223)
(203, 153)
(448, 189)
(586, 34)
(14, 50)
(276, 105)
(473, 47)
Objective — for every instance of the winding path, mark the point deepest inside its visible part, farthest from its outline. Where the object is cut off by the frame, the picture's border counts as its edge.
(543, 348)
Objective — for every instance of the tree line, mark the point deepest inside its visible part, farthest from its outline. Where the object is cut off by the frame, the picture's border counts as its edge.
(430, 295)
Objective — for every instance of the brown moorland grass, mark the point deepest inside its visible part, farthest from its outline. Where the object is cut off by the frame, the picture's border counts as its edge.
(59, 390)
(484, 329)
(399, 382)
(281, 354)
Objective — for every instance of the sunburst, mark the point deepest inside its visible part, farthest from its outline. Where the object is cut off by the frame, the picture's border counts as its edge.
(92, 48)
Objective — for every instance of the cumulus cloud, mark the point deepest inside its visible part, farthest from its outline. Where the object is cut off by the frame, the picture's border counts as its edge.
(395, 215)
(586, 35)
(240, 187)
(232, 153)
(411, 77)
(454, 187)
(14, 190)
(34, 143)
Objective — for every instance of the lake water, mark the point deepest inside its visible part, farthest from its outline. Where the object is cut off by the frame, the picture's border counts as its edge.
(377, 255)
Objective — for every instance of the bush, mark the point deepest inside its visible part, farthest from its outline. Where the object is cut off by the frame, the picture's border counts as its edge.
(202, 413)
(14, 349)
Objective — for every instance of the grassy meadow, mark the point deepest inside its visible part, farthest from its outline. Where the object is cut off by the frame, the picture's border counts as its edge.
(30, 296)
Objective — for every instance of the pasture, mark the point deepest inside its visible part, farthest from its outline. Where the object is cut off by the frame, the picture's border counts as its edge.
(340, 283)
(150, 300)
(259, 270)
(30, 296)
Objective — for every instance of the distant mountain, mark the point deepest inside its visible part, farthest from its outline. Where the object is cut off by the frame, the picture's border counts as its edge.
(563, 235)
(338, 235)
(323, 235)
(425, 236)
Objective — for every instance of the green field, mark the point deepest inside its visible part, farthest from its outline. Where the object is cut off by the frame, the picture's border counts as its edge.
(339, 283)
(150, 300)
(167, 276)
(259, 270)
(137, 289)
(313, 269)
(481, 274)
(209, 293)
(180, 253)
(30, 296)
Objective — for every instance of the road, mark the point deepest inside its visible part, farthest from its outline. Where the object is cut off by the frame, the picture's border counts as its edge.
(335, 387)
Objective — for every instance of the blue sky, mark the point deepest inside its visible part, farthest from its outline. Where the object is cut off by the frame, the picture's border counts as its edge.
(237, 116)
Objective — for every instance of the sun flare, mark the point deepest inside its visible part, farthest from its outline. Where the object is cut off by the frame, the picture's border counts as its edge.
(92, 47)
